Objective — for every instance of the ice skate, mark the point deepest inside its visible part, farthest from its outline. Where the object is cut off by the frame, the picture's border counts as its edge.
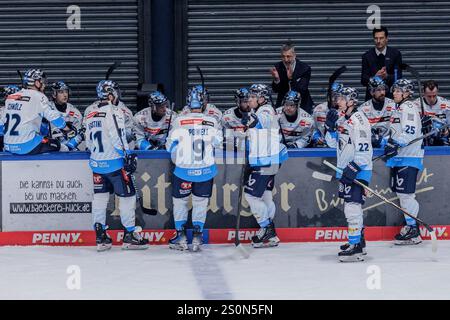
(265, 237)
(179, 241)
(197, 239)
(102, 239)
(409, 235)
(363, 244)
(353, 253)
(134, 241)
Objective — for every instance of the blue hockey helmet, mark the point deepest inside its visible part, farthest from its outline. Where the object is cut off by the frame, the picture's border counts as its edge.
(10, 89)
(404, 85)
(105, 88)
(260, 90)
(31, 75)
(350, 94)
(293, 97)
(241, 94)
(376, 82)
(156, 98)
(59, 86)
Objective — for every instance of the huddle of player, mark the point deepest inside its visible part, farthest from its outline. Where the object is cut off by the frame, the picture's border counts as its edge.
(31, 124)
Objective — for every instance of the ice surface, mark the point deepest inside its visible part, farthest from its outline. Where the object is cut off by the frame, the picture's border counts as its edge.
(290, 271)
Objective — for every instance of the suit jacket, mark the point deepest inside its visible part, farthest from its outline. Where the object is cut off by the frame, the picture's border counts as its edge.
(299, 82)
(371, 63)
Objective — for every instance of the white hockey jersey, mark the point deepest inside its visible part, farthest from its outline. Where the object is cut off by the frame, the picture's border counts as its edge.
(22, 120)
(353, 140)
(129, 124)
(191, 142)
(319, 115)
(379, 119)
(210, 110)
(102, 138)
(439, 110)
(233, 128)
(72, 115)
(298, 132)
(150, 133)
(264, 141)
(406, 125)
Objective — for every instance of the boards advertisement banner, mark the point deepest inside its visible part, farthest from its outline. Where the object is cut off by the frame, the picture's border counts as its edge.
(48, 194)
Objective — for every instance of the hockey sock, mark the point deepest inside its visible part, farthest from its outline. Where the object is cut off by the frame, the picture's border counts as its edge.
(354, 215)
(409, 203)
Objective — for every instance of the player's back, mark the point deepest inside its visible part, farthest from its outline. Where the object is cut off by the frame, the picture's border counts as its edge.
(102, 138)
(192, 141)
(23, 115)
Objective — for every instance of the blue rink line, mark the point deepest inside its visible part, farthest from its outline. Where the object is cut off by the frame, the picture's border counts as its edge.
(162, 154)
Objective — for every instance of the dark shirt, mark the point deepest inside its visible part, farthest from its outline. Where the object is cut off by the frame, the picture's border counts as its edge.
(371, 64)
(299, 82)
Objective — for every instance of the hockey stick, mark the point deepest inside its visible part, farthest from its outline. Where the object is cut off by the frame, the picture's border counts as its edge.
(336, 74)
(111, 69)
(20, 76)
(416, 75)
(201, 77)
(139, 199)
(428, 227)
(432, 132)
(237, 242)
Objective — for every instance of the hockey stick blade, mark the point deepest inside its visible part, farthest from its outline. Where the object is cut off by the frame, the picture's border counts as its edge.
(147, 211)
(20, 76)
(242, 251)
(111, 69)
(336, 74)
(322, 176)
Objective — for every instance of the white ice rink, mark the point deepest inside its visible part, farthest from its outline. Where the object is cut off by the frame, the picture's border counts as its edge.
(290, 271)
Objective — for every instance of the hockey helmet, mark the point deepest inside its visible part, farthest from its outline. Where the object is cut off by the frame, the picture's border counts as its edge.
(404, 85)
(31, 75)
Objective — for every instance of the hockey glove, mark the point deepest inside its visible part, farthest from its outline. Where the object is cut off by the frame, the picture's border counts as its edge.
(376, 138)
(70, 131)
(427, 124)
(130, 165)
(249, 120)
(391, 149)
(350, 172)
(331, 119)
(291, 145)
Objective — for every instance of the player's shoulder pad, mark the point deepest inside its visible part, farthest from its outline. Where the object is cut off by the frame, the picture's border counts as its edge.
(302, 113)
(229, 111)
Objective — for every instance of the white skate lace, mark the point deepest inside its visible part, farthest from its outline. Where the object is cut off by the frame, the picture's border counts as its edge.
(137, 236)
(404, 230)
(260, 232)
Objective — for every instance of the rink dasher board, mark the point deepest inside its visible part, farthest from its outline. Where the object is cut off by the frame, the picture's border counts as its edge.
(210, 236)
(302, 196)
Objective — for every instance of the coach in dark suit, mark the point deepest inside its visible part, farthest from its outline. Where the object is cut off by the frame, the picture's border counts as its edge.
(292, 74)
(382, 60)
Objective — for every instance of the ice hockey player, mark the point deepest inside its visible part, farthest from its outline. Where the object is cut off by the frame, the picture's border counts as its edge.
(112, 165)
(129, 123)
(151, 125)
(207, 107)
(24, 113)
(297, 124)
(191, 142)
(406, 162)
(319, 114)
(266, 153)
(6, 91)
(60, 97)
(232, 121)
(437, 107)
(378, 110)
(350, 134)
